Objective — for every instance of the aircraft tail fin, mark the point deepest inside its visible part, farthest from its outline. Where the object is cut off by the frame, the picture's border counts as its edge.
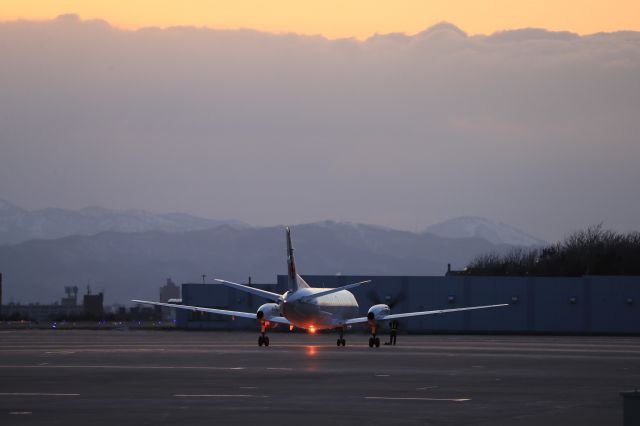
(294, 281)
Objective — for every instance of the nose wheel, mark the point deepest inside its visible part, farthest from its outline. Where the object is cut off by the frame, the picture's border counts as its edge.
(341, 341)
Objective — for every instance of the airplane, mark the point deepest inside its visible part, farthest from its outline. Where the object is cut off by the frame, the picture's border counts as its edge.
(313, 308)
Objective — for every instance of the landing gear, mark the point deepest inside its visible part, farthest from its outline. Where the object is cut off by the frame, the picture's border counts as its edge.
(341, 340)
(373, 340)
(263, 339)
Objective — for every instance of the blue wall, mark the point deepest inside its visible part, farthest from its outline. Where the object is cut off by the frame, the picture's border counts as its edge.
(591, 304)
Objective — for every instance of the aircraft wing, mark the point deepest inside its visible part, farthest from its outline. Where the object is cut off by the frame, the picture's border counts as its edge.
(258, 292)
(417, 314)
(279, 320)
(201, 309)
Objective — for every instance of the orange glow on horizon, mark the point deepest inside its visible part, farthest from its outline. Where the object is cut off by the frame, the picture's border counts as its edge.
(312, 330)
(344, 18)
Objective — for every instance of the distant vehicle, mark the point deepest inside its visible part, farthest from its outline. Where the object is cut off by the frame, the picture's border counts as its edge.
(312, 308)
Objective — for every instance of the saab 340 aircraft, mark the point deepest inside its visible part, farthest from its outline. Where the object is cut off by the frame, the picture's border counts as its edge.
(312, 308)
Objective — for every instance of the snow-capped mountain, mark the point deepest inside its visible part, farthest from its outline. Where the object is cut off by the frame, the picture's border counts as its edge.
(18, 225)
(134, 264)
(479, 227)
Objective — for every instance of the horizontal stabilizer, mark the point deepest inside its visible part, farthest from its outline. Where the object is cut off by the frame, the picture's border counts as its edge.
(335, 290)
(262, 293)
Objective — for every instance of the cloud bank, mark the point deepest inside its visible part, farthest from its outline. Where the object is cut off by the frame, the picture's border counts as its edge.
(534, 128)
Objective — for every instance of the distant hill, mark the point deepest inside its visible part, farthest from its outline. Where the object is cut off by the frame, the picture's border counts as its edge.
(134, 265)
(479, 227)
(18, 225)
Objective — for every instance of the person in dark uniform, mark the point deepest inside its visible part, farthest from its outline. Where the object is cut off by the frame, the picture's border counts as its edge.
(394, 332)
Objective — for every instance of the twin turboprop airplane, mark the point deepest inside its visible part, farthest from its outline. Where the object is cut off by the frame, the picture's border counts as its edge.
(312, 308)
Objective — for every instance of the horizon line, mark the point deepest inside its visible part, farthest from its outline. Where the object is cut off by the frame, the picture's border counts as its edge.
(75, 17)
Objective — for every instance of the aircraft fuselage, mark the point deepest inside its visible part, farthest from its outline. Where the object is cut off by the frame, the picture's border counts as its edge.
(320, 312)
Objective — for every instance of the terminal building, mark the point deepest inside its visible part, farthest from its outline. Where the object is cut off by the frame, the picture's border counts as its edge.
(575, 305)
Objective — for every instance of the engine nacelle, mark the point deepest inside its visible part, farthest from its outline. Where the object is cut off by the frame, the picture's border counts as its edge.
(377, 311)
(268, 311)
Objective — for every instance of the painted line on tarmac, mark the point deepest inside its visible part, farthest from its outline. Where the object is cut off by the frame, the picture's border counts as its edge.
(180, 395)
(21, 413)
(128, 367)
(280, 368)
(37, 394)
(388, 398)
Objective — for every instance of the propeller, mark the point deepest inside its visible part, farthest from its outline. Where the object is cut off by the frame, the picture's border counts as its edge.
(387, 300)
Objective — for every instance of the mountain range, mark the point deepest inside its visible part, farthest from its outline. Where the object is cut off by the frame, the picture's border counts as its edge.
(129, 254)
(18, 225)
(480, 227)
(134, 265)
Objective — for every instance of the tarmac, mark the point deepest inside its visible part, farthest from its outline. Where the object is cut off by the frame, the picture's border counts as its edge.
(121, 377)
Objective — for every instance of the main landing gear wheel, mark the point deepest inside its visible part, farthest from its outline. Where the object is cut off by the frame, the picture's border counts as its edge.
(263, 340)
(374, 341)
(341, 342)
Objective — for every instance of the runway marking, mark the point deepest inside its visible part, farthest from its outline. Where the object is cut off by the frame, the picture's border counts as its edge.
(36, 394)
(21, 412)
(280, 368)
(129, 367)
(59, 352)
(418, 399)
(427, 387)
(179, 395)
(382, 375)
(248, 387)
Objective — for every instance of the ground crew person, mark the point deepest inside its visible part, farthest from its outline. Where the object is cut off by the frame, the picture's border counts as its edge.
(394, 331)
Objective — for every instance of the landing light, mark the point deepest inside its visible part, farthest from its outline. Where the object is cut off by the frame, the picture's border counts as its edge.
(312, 329)
(290, 327)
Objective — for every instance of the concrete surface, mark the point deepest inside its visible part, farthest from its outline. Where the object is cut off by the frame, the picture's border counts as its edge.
(73, 377)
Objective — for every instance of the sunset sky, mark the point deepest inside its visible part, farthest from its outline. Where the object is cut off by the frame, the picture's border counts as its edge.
(343, 18)
(534, 128)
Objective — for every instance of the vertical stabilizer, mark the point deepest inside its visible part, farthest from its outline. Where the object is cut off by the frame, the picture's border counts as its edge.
(295, 281)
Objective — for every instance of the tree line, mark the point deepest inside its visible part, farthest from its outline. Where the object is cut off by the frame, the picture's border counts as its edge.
(593, 251)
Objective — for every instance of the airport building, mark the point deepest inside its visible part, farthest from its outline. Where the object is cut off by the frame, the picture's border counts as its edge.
(576, 305)
(68, 307)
